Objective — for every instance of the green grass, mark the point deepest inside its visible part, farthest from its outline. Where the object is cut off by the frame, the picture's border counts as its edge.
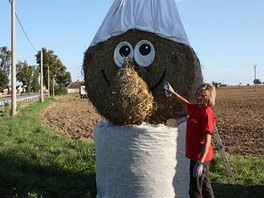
(248, 173)
(35, 162)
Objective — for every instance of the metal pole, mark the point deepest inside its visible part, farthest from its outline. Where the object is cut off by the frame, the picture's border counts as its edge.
(41, 76)
(13, 41)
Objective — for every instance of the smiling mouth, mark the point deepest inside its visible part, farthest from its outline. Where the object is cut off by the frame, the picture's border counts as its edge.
(105, 77)
(150, 88)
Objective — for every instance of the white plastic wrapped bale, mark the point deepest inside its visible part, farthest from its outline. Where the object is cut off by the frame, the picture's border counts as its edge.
(141, 161)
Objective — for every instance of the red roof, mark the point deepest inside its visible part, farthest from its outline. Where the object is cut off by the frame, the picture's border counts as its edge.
(74, 85)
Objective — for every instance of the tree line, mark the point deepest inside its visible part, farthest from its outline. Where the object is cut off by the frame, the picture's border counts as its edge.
(28, 75)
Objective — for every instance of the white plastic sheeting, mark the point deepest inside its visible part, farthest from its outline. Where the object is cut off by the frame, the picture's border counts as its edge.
(156, 16)
(141, 161)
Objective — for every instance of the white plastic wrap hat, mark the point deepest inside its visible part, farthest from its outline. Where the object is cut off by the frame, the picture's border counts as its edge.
(156, 16)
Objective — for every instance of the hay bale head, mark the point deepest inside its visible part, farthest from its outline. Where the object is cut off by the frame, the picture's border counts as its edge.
(173, 62)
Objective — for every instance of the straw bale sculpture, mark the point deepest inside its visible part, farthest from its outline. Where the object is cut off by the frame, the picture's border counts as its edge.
(140, 45)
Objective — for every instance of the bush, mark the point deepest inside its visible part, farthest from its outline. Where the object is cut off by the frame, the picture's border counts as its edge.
(60, 89)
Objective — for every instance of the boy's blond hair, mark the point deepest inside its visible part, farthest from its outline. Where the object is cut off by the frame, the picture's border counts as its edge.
(210, 91)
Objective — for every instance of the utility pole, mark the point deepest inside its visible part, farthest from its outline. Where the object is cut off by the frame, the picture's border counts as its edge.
(48, 83)
(53, 84)
(13, 41)
(255, 76)
(41, 76)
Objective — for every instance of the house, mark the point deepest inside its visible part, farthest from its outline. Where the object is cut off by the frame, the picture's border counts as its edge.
(74, 87)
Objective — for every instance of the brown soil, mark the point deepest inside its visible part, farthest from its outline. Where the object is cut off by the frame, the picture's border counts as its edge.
(72, 117)
(239, 116)
(240, 120)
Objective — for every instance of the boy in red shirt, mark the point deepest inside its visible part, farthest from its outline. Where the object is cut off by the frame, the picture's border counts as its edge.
(199, 131)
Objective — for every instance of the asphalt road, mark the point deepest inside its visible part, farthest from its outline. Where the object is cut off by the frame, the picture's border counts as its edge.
(19, 98)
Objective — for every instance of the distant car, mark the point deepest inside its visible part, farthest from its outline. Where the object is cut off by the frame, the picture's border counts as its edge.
(19, 90)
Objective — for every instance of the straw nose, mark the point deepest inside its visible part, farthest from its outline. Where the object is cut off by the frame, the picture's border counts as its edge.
(129, 100)
(128, 63)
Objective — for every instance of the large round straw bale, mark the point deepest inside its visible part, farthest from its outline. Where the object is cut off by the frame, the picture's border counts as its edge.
(174, 62)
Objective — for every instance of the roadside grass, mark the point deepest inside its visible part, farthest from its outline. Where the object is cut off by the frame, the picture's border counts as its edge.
(5, 112)
(37, 163)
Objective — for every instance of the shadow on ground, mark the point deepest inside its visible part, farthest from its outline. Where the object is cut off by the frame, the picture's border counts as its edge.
(18, 178)
(238, 191)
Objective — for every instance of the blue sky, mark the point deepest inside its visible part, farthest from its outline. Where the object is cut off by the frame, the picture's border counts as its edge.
(227, 35)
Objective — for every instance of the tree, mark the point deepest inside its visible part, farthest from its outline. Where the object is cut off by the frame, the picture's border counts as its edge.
(4, 80)
(5, 64)
(35, 83)
(64, 79)
(257, 82)
(25, 74)
(5, 60)
(56, 68)
(60, 89)
(216, 84)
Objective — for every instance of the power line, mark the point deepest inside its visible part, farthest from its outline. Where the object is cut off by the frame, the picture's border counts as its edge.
(214, 66)
(24, 30)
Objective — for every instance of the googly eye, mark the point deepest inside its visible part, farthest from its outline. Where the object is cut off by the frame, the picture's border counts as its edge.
(122, 50)
(144, 53)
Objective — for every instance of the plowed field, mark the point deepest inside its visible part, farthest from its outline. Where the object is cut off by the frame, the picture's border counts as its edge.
(239, 113)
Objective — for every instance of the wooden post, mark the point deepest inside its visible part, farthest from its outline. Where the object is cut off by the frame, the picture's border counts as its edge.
(41, 76)
(13, 41)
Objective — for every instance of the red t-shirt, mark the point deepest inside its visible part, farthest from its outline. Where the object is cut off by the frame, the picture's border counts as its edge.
(200, 121)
